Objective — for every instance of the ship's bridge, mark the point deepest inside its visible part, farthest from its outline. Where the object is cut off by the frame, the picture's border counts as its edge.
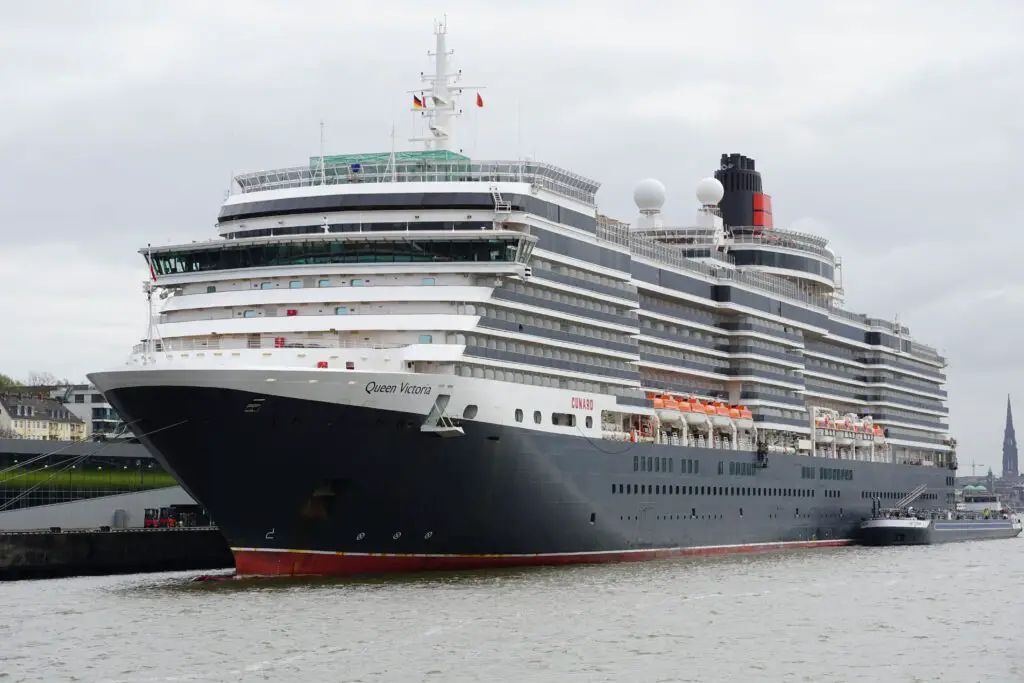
(493, 250)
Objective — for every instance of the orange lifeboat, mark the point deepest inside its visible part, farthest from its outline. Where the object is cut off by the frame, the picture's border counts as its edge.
(719, 415)
(879, 435)
(668, 411)
(745, 419)
(697, 413)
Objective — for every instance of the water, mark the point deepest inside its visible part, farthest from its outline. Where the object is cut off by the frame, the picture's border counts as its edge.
(881, 615)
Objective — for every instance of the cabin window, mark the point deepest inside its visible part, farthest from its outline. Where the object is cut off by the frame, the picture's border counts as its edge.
(211, 289)
(589, 422)
(426, 339)
(536, 416)
(249, 314)
(341, 310)
(427, 281)
(519, 414)
(295, 284)
(323, 283)
(470, 412)
(563, 419)
(357, 283)
(266, 285)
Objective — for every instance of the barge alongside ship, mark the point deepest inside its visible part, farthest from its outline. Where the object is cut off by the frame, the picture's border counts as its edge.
(980, 517)
(416, 360)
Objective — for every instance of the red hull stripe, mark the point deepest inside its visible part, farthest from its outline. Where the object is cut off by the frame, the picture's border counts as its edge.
(272, 562)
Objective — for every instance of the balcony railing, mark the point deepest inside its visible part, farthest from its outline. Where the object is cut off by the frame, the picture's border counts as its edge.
(237, 344)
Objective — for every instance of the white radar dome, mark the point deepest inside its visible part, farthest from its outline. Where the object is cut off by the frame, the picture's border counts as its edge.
(710, 191)
(649, 195)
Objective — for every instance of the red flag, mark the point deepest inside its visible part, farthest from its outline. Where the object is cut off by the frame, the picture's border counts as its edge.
(149, 262)
(479, 100)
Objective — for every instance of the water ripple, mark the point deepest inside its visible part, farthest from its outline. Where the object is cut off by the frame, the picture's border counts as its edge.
(840, 616)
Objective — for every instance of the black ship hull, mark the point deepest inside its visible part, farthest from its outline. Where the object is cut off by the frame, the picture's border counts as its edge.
(932, 532)
(313, 487)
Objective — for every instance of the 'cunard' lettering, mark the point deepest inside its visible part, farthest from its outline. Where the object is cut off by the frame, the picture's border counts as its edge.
(403, 388)
(582, 403)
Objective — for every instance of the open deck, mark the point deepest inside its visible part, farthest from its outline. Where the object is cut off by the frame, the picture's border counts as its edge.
(420, 167)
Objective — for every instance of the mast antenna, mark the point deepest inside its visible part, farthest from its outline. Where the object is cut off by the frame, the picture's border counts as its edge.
(392, 160)
(438, 102)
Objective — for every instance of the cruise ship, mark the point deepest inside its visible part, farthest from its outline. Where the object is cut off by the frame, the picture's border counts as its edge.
(415, 360)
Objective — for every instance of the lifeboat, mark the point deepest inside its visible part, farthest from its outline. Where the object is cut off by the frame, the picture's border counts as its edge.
(862, 433)
(822, 431)
(696, 416)
(844, 434)
(879, 434)
(668, 412)
(744, 418)
(719, 415)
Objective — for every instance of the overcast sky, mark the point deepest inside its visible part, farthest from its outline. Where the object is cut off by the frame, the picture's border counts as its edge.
(892, 128)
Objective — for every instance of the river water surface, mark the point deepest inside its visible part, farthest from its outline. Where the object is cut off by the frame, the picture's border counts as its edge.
(944, 613)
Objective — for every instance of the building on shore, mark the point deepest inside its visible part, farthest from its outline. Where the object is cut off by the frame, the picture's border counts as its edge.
(85, 402)
(39, 418)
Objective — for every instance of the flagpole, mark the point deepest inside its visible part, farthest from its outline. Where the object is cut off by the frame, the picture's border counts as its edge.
(519, 138)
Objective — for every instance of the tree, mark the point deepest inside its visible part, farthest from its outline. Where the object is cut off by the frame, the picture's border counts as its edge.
(42, 379)
(7, 382)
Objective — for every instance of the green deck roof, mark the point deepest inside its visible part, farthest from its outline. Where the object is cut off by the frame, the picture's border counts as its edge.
(385, 157)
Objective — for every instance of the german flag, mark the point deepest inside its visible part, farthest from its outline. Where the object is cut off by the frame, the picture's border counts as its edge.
(417, 103)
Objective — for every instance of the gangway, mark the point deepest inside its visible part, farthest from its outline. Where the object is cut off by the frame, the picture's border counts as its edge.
(910, 497)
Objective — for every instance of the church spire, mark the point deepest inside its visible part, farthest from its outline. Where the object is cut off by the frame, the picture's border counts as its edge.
(1009, 444)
